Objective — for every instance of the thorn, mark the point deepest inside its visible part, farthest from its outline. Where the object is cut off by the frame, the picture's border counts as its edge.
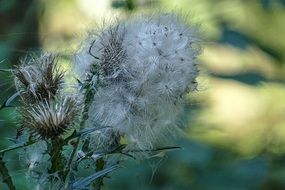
(92, 44)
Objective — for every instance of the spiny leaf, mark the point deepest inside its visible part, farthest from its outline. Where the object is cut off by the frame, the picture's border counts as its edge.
(6, 70)
(17, 146)
(87, 131)
(85, 182)
(81, 85)
(83, 132)
(120, 150)
(167, 148)
(6, 177)
(8, 102)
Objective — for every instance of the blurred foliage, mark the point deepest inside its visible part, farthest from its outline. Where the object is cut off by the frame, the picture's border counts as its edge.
(236, 139)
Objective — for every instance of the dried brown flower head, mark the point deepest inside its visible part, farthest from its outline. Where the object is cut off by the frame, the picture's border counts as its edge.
(51, 118)
(38, 79)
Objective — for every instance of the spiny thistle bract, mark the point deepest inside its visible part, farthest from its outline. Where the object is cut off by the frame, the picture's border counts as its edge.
(38, 78)
(51, 118)
(145, 67)
(46, 110)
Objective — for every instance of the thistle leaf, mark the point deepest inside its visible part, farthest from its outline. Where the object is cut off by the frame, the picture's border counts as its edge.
(85, 182)
(6, 70)
(83, 132)
(17, 146)
(8, 102)
(167, 148)
(6, 177)
(87, 131)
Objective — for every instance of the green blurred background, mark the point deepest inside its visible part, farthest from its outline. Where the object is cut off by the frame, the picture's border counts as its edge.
(236, 134)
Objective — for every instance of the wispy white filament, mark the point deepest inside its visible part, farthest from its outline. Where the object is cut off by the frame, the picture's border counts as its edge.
(146, 65)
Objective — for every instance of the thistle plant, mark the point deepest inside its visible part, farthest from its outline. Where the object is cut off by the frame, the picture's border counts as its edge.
(132, 79)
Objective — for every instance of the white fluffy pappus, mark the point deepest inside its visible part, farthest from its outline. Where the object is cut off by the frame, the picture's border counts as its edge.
(148, 64)
(34, 157)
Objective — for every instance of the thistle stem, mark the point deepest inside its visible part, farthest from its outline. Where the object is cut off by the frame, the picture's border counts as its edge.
(88, 98)
(57, 160)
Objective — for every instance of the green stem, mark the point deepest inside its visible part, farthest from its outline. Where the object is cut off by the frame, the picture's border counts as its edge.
(17, 146)
(88, 99)
(57, 160)
(100, 163)
(5, 175)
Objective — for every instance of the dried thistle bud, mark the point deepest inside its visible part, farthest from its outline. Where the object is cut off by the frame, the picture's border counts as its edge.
(51, 118)
(106, 51)
(38, 79)
(112, 53)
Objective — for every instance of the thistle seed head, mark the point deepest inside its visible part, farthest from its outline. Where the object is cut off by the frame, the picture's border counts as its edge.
(153, 62)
